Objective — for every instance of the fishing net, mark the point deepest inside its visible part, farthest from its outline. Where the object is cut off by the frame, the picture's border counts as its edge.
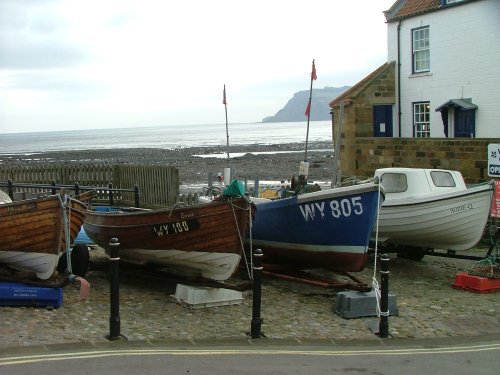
(490, 266)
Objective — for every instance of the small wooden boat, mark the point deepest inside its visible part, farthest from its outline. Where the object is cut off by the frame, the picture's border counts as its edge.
(34, 232)
(431, 209)
(327, 229)
(203, 240)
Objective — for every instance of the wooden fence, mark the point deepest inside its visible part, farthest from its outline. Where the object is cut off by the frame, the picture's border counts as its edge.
(158, 185)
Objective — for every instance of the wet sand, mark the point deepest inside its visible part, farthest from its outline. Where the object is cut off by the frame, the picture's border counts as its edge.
(277, 162)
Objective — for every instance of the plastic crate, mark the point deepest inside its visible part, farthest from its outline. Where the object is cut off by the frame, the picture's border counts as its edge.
(18, 294)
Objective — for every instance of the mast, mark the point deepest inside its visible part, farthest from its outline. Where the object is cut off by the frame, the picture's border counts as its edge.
(308, 109)
(227, 129)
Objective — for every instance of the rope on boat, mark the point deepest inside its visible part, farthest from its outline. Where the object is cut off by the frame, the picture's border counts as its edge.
(84, 285)
(248, 266)
(250, 221)
(176, 205)
(67, 231)
(375, 286)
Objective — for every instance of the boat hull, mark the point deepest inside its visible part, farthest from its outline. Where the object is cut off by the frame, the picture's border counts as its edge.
(327, 229)
(32, 232)
(450, 221)
(203, 240)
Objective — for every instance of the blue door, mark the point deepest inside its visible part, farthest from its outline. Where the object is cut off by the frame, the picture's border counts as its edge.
(465, 123)
(382, 120)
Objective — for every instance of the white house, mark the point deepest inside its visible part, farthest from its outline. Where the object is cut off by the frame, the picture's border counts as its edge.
(447, 55)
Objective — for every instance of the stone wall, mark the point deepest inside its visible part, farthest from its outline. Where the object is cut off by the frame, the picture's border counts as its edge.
(357, 121)
(469, 156)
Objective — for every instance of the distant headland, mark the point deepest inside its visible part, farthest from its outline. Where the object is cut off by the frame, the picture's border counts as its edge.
(295, 108)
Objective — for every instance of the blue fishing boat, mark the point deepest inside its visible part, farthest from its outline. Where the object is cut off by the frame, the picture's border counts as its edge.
(328, 229)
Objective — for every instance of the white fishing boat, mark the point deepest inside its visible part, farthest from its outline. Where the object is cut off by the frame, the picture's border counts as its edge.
(431, 209)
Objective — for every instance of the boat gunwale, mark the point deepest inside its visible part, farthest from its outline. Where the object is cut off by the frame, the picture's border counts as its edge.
(368, 187)
(422, 199)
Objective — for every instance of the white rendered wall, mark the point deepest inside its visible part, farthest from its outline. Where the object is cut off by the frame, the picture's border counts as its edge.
(464, 63)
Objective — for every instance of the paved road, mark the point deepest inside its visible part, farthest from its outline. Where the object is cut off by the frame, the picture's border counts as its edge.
(261, 356)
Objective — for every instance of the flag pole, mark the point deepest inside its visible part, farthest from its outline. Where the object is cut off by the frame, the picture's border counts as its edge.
(308, 109)
(227, 129)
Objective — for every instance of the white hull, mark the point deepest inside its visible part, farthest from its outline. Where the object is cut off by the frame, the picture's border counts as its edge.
(451, 221)
(216, 266)
(42, 264)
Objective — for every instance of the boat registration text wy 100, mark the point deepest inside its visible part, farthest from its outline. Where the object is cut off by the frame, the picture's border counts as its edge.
(336, 208)
(175, 227)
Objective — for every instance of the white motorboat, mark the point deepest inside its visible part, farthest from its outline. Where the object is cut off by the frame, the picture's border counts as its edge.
(431, 209)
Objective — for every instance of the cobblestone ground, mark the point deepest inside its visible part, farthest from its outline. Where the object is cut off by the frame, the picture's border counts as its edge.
(428, 307)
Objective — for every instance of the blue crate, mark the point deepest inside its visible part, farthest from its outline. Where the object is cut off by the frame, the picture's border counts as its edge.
(18, 294)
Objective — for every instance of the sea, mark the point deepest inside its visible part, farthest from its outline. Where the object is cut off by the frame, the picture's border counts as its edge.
(166, 137)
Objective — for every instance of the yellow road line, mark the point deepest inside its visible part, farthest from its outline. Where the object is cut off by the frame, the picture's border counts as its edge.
(251, 351)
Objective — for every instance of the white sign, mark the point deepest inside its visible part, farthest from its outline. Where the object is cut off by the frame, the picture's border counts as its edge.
(494, 160)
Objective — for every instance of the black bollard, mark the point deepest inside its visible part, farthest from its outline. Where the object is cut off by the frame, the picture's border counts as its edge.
(114, 290)
(110, 192)
(383, 327)
(257, 289)
(10, 187)
(136, 196)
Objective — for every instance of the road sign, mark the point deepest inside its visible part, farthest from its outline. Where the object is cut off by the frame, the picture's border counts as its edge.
(494, 160)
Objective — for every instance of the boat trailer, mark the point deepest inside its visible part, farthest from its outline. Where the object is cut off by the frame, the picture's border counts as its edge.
(291, 273)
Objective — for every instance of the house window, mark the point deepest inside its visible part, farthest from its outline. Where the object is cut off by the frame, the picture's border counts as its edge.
(421, 51)
(421, 120)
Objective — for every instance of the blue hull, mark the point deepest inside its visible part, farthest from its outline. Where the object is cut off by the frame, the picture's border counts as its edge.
(328, 229)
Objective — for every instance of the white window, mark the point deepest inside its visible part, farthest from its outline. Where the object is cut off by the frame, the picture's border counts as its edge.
(421, 120)
(394, 182)
(442, 179)
(421, 51)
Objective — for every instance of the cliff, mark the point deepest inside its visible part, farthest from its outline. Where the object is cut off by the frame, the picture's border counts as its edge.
(295, 108)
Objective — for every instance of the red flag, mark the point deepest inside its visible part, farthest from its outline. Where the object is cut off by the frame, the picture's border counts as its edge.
(308, 108)
(224, 96)
(313, 73)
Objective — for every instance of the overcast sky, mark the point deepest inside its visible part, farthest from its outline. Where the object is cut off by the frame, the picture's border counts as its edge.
(73, 64)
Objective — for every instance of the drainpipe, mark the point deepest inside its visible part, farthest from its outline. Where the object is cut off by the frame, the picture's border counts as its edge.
(399, 79)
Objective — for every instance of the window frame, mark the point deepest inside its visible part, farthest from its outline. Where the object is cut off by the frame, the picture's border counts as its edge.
(418, 132)
(420, 54)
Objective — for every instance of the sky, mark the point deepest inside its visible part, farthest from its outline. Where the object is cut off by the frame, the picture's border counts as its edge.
(67, 64)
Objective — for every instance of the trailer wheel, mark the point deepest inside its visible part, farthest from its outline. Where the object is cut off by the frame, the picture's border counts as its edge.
(80, 259)
(412, 253)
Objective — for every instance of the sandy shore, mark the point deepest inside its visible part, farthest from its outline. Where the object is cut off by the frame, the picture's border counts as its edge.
(266, 162)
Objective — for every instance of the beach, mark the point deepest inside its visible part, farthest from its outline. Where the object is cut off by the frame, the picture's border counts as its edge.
(274, 162)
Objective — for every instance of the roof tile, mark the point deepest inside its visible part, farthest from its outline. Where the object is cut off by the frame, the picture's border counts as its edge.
(414, 7)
